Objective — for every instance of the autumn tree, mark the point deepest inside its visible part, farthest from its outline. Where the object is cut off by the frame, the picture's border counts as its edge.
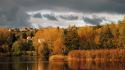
(87, 38)
(52, 37)
(4, 34)
(122, 33)
(106, 37)
(71, 40)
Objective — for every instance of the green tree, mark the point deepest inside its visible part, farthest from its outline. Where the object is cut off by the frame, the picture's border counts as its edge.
(71, 40)
(106, 37)
(20, 45)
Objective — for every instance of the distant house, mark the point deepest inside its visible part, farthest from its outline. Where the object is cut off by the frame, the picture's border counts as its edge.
(22, 30)
(29, 38)
(11, 29)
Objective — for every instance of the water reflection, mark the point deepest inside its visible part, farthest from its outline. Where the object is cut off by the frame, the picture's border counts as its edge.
(34, 63)
(58, 66)
(78, 65)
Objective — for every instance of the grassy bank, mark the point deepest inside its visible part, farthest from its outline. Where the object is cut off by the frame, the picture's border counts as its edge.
(97, 55)
(58, 58)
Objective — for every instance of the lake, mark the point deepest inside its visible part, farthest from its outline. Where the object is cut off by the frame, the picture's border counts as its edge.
(35, 63)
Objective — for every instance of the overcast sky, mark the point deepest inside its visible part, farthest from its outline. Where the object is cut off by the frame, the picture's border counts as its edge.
(13, 12)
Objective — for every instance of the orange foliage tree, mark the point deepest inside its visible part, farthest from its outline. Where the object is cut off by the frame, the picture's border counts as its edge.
(53, 37)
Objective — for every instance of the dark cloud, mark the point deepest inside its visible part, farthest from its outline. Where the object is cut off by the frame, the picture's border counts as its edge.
(95, 20)
(69, 17)
(38, 15)
(12, 10)
(50, 17)
(10, 14)
(14, 17)
(116, 6)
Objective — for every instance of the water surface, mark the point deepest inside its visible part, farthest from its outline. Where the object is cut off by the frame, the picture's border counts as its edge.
(35, 63)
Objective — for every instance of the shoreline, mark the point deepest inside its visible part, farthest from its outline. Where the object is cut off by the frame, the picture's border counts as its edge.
(91, 55)
(80, 55)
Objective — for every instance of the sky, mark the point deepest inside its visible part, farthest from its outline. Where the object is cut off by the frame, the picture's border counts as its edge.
(43, 13)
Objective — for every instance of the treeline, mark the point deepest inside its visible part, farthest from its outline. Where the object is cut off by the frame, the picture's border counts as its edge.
(16, 42)
(52, 41)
